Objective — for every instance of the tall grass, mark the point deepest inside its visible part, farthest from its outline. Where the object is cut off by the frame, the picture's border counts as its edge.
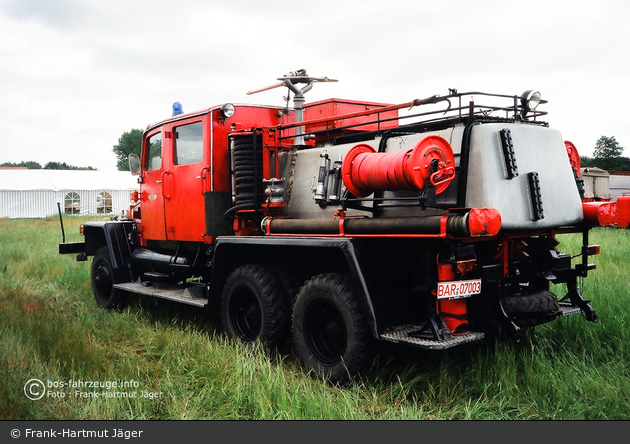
(51, 329)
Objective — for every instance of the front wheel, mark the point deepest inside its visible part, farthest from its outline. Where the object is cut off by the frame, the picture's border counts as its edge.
(330, 332)
(102, 277)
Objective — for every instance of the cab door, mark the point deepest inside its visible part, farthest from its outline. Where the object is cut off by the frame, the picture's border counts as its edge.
(184, 180)
(152, 198)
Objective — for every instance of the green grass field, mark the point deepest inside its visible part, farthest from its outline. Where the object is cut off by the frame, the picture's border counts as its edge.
(173, 361)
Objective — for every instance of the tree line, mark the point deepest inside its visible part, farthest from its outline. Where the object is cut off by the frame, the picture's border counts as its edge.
(607, 156)
(31, 165)
(130, 142)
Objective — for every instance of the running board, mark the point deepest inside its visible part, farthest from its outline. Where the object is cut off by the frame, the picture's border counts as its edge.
(191, 295)
(408, 334)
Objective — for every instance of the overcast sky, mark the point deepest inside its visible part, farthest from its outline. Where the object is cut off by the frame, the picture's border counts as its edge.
(76, 74)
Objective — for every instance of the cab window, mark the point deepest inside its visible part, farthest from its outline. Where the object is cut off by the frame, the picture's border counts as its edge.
(188, 144)
(154, 153)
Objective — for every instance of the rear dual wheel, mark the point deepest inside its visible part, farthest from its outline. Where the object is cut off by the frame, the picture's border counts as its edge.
(254, 307)
(330, 333)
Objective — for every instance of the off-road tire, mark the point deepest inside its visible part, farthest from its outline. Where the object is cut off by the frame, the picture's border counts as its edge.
(254, 307)
(330, 332)
(102, 278)
(531, 309)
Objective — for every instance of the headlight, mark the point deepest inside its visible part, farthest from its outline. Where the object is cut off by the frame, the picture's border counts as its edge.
(530, 100)
(228, 110)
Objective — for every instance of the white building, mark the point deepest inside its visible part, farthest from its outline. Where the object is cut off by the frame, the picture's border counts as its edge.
(619, 185)
(36, 193)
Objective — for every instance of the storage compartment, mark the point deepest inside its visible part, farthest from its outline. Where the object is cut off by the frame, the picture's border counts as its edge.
(338, 107)
(543, 194)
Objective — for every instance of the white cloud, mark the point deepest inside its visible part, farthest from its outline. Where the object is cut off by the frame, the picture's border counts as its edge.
(76, 74)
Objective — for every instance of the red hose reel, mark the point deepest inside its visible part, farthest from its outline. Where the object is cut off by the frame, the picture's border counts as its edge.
(364, 170)
(574, 156)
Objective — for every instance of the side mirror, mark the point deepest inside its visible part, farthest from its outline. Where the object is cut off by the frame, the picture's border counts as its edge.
(134, 164)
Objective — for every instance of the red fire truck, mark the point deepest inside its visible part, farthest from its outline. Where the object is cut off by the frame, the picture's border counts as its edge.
(334, 224)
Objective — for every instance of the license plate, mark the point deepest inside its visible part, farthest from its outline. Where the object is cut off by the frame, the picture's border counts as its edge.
(458, 289)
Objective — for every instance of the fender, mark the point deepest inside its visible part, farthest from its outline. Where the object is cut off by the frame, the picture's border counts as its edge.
(120, 238)
(229, 251)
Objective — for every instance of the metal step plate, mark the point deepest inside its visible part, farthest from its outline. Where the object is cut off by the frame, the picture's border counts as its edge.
(403, 334)
(568, 309)
(192, 295)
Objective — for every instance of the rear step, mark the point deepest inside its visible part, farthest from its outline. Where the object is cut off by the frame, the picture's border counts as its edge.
(415, 335)
(192, 294)
(567, 309)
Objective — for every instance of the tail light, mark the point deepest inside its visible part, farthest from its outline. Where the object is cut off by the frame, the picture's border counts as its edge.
(592, 250)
